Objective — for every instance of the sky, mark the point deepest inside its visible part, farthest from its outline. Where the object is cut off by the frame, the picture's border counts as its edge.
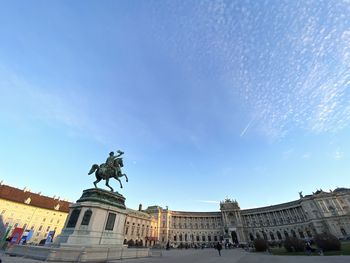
(248, 100)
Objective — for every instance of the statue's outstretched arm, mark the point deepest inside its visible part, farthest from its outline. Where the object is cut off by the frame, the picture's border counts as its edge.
(120, 153)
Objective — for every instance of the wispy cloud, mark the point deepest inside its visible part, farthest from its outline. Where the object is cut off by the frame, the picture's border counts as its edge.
(306, 156)
(338, 154)
(288, 153)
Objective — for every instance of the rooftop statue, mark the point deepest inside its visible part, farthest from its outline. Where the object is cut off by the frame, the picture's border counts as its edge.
(110, 169)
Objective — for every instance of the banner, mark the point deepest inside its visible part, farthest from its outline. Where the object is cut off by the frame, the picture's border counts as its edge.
(50, 237)
(26, 237)
(2, 228)
(16, 235)
(6, 233)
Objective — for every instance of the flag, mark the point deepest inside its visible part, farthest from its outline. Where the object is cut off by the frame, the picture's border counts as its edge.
(49, 237)
(16, 235)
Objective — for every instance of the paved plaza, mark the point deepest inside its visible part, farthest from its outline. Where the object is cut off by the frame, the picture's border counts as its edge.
(211, 256)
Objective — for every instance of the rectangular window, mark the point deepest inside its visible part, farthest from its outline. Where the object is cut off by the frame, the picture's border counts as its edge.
(110, 221)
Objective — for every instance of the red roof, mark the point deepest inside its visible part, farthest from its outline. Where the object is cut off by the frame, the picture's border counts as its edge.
(20, 196)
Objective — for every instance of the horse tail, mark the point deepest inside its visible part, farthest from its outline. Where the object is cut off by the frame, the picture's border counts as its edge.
(93, 169)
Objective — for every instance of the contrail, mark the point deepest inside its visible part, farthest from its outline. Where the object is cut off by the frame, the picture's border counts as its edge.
(246, 128)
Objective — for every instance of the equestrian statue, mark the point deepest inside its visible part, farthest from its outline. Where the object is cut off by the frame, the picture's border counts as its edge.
(110, 169)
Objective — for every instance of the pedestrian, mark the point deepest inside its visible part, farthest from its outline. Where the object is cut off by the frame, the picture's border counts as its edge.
(219, 247)
(308, 248)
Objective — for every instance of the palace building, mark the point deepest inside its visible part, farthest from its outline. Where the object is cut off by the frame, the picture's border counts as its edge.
(303, 218)
(31, 211)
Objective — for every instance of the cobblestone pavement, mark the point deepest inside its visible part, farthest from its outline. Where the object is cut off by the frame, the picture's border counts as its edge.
(211, 256)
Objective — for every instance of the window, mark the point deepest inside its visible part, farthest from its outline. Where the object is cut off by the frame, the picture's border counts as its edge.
(73, 218)
(86, 218)
(342, 230)
(279, 236)
(272, 236)
(308, 233)
(293, 233)
(110, 221)
(41, 227)
(264, 235)
(126, 230)
(48, 228)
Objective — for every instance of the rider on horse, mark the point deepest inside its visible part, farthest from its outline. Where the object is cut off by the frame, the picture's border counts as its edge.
(110, 162)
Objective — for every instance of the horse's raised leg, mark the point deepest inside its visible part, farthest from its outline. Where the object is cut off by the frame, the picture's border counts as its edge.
(107, 180)
(121, 186)
(127, 179)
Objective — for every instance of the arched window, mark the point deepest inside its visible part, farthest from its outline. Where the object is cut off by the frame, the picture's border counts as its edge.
(251, 237)
(342, 230)
(264, 235)
(301, 234)
(73, 217)
(286, 234)
(86, 218)
(257, 235)
(308, 232)
(293, 233)
(279, 236)
(272, 236)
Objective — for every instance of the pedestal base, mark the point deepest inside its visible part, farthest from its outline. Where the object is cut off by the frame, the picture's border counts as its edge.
(96, 219)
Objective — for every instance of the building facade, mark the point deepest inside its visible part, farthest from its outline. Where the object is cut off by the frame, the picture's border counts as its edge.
(303, 218)
(140, 228)
(31, 211)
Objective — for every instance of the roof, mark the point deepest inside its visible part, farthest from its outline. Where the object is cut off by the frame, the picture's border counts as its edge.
(341, 189)
(28, 198)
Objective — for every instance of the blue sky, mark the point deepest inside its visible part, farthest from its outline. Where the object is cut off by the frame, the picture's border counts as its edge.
(208, 99)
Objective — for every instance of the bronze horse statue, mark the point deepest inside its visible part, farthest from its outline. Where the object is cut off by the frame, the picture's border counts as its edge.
(105, 172)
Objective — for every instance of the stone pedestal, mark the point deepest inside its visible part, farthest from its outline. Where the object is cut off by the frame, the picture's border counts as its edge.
(96, 219)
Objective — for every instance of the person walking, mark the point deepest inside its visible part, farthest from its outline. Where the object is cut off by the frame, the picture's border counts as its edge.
(219, 247)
